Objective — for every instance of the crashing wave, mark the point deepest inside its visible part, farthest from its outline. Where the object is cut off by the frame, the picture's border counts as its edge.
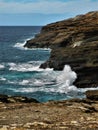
(66, 79)
(25, 67)
(49, 81)
(21, 46)
(61, 82)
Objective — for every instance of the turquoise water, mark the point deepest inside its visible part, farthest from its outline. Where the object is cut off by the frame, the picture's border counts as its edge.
(20, 73)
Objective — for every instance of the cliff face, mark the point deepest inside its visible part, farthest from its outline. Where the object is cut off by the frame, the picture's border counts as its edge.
(74, 42)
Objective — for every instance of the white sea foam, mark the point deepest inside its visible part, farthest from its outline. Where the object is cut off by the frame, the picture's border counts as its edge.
(24, 67)
(31, 90)
(25, 90)
(43, 49)
(31, 82)
(83, 90)
(24, 82)
(35, 82)
(65, 80)
(2, 79)
(67, 76)
(50, 82)
(21, 46)
(2, 66)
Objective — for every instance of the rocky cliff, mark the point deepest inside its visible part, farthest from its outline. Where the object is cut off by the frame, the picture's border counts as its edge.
(75, 42)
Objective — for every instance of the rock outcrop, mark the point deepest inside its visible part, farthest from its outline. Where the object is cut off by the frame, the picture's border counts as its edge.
(92, 94)
(16, 99)
(74, 42)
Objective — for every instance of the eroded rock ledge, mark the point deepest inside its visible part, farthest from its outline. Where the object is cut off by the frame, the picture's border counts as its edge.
(73, 114)
(75, 42)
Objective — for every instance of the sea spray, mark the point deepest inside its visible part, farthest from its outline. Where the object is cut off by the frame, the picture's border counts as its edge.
(52, 82)
(67, 75)
(65, 80)
(20, 45)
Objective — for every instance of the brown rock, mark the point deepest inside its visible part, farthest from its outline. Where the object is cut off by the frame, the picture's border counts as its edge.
(92, 94)
(14, 99)
(58, 115)
(74, 42)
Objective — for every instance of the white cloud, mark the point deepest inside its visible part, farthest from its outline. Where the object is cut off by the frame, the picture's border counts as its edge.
(49, 6)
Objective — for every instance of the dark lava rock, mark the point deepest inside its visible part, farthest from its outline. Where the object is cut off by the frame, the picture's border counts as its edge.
(74, 42)
(14, 99)
(92, 94)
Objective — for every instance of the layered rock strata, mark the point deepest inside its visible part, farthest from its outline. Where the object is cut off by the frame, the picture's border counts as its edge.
(75, 42)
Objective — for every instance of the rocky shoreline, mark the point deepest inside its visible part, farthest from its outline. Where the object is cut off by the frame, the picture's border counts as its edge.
(73, 114)
(73, 42)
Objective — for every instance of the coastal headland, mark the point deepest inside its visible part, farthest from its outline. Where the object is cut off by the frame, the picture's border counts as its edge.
(73, 42)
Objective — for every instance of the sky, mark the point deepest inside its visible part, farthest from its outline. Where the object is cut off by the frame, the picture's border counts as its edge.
(42, 12)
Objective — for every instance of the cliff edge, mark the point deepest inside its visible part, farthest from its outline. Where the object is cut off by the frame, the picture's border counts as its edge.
(75, 42)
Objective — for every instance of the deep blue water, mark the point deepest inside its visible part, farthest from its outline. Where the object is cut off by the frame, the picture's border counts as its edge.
(19, 68)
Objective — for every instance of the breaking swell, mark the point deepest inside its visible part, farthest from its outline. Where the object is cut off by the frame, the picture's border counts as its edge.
(47, 80)
(20, 45)
(28, 79)
(53, 83)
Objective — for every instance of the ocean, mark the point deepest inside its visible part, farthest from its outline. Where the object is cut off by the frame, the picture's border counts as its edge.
(20, 74)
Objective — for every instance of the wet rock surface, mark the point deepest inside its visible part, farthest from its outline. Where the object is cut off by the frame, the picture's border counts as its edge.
(74, 42)
(73, 114)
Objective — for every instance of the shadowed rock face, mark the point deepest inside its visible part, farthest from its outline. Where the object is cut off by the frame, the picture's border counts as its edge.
(16, 99)
(74, 42)
(92, 95)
